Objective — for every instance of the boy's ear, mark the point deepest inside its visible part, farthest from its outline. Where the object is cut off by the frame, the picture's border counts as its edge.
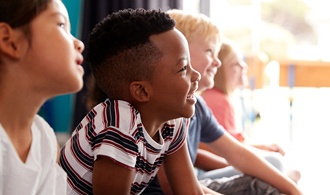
(8, 41)
(140, 91)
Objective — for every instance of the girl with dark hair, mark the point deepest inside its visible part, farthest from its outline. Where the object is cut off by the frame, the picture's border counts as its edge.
(39, 59)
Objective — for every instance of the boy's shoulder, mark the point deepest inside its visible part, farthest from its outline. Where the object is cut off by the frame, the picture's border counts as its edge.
(117, 105)
(113, 113)
(121, 116)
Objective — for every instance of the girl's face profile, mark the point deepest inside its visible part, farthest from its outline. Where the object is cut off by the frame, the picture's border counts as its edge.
(235, 70)
(53, 56)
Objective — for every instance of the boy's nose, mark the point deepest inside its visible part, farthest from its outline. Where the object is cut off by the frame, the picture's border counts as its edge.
(217, 62)
(196, 76)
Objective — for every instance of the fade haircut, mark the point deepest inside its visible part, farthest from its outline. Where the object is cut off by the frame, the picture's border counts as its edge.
(120, 50)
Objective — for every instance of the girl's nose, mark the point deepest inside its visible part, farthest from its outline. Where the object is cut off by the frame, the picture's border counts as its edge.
(79, 45)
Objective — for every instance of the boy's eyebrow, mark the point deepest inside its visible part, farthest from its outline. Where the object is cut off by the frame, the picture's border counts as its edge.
(183, 59)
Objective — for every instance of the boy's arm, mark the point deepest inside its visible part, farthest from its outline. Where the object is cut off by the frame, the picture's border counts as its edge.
(207, 161)
(166, 187)
(180, 173)
(244, 159)
(110, 177)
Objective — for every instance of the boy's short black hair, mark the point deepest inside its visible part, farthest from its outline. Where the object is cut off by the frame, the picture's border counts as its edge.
(120, 51)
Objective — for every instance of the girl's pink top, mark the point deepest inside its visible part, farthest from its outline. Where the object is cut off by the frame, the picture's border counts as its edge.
(223, 111)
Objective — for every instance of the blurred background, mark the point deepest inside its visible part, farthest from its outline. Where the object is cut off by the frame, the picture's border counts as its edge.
(287, 48)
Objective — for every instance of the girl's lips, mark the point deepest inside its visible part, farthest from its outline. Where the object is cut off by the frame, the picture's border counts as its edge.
(80, 60)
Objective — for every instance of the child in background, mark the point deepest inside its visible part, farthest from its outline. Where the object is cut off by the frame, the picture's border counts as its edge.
(231, 76)
(39, 59)
(142, 63)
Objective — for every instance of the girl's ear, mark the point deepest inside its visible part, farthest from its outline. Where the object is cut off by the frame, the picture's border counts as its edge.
(140, 91)
(8, 41)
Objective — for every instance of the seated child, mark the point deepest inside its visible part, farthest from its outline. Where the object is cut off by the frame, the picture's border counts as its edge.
(39, 59)
(230, 77)
(141, 62)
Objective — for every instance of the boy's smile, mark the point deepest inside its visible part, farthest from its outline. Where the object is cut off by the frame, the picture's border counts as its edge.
(175, 81)
(204, 59)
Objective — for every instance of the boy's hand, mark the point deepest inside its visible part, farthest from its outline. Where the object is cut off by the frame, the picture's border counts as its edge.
(271, 148)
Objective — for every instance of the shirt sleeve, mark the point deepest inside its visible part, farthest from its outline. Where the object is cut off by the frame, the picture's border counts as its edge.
(119, 147)
(211, 129)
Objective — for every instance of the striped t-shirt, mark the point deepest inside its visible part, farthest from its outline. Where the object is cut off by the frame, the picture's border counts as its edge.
(114, 129)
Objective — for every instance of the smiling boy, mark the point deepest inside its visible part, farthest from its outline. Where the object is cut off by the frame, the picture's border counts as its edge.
(142, 63)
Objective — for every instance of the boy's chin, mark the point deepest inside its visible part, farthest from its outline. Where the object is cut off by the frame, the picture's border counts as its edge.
(190, 113)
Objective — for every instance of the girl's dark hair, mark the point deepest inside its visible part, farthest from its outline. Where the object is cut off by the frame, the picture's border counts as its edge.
(19, 13)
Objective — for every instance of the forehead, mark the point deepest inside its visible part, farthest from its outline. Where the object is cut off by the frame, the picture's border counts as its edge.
(172, 44)
(57, 7)
(169, 40)
(205, 42)
(55, 12)
(229, 57)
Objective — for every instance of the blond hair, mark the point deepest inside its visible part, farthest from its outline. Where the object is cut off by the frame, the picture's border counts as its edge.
(191, 25)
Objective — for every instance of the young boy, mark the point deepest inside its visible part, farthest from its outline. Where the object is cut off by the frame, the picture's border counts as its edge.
(142, 64)
(204, 44)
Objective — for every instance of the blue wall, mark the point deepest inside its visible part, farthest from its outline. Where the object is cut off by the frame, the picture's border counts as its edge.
(58, 111)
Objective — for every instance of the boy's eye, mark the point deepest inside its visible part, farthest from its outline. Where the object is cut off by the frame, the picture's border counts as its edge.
(183, 69)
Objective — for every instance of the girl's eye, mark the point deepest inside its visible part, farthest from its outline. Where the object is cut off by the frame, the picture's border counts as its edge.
(62, 25)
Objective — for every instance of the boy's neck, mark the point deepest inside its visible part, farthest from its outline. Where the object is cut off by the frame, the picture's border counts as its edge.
(152, 125)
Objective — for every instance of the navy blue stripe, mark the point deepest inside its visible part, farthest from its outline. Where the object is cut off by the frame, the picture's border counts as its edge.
(110, 113)
(86, 160)
(143, 166)
(75, 180)
(136, 188)
(114, 136)
(167, 132)
(91, 114)
(180, 136)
